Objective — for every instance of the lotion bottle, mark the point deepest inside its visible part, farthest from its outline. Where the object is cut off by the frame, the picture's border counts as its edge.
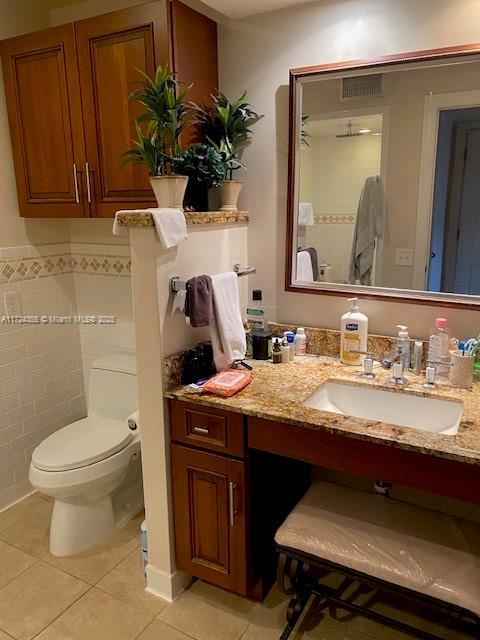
(353, 334)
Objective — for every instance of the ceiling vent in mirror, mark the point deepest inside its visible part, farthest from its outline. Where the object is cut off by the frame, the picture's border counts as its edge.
(361, 86)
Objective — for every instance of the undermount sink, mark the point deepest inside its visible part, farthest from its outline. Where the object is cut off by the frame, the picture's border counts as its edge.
(402, 409)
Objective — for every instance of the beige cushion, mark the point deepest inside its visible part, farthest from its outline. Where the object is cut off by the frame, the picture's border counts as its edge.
(426, 551)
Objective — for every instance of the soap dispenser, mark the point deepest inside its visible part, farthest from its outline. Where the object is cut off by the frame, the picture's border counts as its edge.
(403, 342)
(353, 334)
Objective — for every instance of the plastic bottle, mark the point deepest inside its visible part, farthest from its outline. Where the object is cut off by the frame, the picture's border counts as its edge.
(438, 346)
(353, 334)
(290, 336)
(404, 343)
(256, 312)
(285, 350)
(300, 342)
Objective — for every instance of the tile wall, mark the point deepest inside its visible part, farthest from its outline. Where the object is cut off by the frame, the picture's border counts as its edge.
(42, 361)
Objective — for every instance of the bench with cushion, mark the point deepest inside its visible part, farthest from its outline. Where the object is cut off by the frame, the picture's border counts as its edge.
(393, 545)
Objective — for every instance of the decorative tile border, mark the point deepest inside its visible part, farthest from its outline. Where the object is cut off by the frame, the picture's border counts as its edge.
(41, 266)
(320, 218)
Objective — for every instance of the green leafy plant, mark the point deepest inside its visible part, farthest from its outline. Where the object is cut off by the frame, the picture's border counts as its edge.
(203, 164)
(226, 125)
(166, 116)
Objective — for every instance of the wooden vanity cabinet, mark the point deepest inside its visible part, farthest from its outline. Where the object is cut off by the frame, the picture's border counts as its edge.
(67, 94)
(210, 523)
(228, 501)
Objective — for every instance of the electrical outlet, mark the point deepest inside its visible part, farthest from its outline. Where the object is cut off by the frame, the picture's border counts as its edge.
(404, 257)
(13, 304)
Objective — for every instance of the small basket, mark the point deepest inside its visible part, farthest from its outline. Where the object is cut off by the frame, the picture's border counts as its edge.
(461, 371)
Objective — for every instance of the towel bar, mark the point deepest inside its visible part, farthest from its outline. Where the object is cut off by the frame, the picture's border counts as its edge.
(177, 285)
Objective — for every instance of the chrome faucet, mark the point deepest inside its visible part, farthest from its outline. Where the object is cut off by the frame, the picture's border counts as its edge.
(431, 372)
(367, 363)
(392, 358)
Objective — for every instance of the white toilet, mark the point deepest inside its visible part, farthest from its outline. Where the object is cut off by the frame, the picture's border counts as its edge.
(92, 467)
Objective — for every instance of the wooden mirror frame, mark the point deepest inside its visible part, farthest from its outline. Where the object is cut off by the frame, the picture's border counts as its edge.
(378, 293)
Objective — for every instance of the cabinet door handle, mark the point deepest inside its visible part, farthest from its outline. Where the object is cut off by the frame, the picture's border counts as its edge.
(231, 502)
(75, 183)
(87, 176)
(204, 430)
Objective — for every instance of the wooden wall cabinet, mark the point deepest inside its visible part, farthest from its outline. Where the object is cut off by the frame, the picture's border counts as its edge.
(67, 98)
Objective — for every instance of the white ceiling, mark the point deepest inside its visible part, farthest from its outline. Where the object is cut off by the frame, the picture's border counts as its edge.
(244, 8)
(338, 126)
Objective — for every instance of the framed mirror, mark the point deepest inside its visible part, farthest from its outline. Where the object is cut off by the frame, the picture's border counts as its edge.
(384, 178)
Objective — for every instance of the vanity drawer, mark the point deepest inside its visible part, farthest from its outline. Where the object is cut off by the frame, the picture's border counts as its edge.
(207, 428)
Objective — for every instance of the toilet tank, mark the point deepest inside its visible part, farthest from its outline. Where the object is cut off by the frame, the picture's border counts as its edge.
(113, 386)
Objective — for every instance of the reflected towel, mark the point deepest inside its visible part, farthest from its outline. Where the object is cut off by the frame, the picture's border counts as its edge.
(304, 267)
(368, 227)
(199, 301)
(314, 258)
(305, 214)
(227, 332)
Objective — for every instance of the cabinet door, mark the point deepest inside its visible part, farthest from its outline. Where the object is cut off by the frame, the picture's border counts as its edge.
(209, 509)
(44, 110)
(110, 49)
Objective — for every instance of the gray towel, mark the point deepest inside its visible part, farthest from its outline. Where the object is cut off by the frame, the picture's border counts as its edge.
(314, 258)
(199, 301)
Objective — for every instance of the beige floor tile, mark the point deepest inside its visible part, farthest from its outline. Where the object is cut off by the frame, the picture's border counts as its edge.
(97, 616)
(94, 563)
(207, 613)
(3, 636)
(26, 508)
(158, 630)
(30, 532)
(12, 562)
(127, 583)
(35, 598)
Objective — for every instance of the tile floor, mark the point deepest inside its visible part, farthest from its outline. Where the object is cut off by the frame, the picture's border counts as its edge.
(99, 595)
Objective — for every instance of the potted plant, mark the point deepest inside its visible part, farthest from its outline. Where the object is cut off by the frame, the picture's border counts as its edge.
(205, 167)
(226, 125)
(158, 131)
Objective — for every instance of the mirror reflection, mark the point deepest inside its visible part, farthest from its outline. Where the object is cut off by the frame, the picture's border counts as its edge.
(387, 179)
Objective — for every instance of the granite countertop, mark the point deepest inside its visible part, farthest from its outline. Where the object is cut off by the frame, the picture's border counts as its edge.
(277, 392)
(144, 219)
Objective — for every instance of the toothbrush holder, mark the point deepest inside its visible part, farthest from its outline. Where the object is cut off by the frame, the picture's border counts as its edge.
(461, 371)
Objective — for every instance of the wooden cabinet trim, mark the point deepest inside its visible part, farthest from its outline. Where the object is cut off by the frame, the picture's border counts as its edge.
(361, 457)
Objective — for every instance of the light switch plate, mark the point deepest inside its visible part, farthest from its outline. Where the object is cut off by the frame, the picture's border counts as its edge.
(404, 257)
(13, 303)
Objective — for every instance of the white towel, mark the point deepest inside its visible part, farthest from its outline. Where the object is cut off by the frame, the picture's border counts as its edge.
(304, 267)
(119, 230)
(305, 214)
(171, 226)
(227, 333)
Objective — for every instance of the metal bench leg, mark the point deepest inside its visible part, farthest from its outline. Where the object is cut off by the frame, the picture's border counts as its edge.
(298, 587)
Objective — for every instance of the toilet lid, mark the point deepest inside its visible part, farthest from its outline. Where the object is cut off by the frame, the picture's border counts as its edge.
(82, 443)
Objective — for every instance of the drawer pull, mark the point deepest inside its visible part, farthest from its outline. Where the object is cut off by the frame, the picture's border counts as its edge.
(231, 502)
(202, 430)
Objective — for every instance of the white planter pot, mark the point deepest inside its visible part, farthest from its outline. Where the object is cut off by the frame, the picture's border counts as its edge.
(229, 192)
(169, 190)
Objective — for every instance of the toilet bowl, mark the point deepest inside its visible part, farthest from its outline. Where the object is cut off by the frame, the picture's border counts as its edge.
(92, 467)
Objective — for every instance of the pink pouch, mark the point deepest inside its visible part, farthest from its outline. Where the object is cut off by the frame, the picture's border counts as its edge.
(228, 382)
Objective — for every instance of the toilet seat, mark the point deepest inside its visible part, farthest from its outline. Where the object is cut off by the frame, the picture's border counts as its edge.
(82, 443)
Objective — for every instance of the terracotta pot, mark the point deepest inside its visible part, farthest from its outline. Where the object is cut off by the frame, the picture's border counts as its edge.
(169, 190)
(229, 192)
